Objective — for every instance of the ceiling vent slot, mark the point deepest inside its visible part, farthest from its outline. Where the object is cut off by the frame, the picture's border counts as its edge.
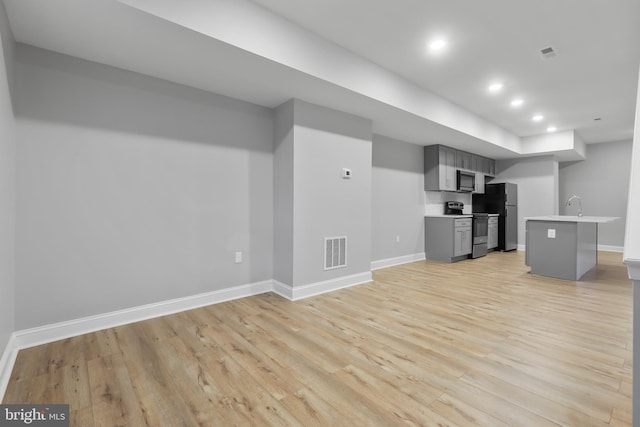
(548, 52)
(335, 252)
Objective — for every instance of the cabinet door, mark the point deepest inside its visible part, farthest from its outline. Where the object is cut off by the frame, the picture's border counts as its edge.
(467, 241)
(486, 167)
(447, 169)
(463, 160)
(457, 242)
(462, 241)
(479, 183)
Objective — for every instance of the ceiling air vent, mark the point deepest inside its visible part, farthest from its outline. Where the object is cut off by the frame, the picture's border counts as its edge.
(548, 52)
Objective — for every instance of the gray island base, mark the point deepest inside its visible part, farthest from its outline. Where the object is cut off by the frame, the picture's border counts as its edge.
(561, 246)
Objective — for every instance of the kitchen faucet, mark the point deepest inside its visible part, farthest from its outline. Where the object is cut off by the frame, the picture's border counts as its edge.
(579, 204)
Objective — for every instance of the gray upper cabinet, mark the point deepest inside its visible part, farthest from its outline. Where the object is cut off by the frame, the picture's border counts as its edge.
(442, 162)
(439, 168)
(464, 160)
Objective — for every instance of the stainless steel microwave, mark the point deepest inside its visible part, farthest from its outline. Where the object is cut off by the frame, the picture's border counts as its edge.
(466, 181)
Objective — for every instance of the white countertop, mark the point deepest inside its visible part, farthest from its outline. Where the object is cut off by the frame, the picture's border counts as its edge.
(448, 216)
(573, 218)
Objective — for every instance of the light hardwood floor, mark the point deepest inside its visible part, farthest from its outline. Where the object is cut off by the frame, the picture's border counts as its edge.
(480, 342)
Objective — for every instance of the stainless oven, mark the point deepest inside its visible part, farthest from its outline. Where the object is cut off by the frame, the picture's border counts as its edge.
(480, 233)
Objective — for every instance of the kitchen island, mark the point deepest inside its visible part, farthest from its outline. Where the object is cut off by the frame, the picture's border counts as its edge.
(562, 246)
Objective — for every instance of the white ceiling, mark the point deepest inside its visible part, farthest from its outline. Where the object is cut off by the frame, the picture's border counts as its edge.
(594, 75)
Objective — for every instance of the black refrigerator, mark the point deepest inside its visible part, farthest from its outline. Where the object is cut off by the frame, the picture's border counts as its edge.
(501, 198)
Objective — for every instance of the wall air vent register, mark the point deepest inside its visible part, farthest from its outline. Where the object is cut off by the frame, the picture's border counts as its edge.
(335, 252)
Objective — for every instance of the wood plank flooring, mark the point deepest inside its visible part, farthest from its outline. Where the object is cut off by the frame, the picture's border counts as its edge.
(480, 342)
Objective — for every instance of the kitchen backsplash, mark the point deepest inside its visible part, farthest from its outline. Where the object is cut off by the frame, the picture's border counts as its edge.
(434, 201)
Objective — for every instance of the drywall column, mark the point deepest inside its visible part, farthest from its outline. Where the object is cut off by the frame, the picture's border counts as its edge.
(7, 201)
(632, 256)
(313, 201)
(283, 255)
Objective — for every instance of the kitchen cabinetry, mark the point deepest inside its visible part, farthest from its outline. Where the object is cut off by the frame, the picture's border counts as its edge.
(492, 237)
(439, 168)
(441, 164)
(448, 238)
(462, 242)
(463, 160)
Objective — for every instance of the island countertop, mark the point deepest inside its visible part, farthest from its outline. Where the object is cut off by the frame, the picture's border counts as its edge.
(573, 218)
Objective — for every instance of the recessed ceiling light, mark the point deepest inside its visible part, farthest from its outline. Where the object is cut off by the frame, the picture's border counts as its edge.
(495, 87)
(437, 45)
(552, 129)
(517, 102)
(537, 117)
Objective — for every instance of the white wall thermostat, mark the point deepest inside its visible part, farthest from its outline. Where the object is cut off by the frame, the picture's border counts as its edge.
(346, 173)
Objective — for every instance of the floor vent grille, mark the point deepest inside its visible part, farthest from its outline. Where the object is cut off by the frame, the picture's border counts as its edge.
(335, 252)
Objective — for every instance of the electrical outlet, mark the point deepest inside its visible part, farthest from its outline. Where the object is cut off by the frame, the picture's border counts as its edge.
(398, 239)
(238, 257)
(551, 233)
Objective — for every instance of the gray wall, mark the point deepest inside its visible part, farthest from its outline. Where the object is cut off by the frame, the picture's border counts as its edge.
(398, 202)
(133, 190)
(319, 201)
(283, 194)
(7, 190)
(325, 204)
(537, 179)
(602, 182)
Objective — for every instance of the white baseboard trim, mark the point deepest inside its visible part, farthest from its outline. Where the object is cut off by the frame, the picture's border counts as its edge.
(44, 334)
(608, 248)
(633, 265)
(296, 293)
(6, 364)
(282, 289)
(390, 262)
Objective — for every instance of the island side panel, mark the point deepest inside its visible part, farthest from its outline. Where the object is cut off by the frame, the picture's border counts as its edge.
(587, 254)
(438, 238)
(552, 257)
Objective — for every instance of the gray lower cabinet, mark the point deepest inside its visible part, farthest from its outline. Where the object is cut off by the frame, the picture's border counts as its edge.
(492, 235)
(448, 239)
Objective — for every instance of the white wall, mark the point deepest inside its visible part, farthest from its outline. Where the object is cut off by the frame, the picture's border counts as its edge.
(602, 182)
(434, 201)
(7, 189)
(537, 180)
(632, 251)
(133, 190)
(398, 203)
